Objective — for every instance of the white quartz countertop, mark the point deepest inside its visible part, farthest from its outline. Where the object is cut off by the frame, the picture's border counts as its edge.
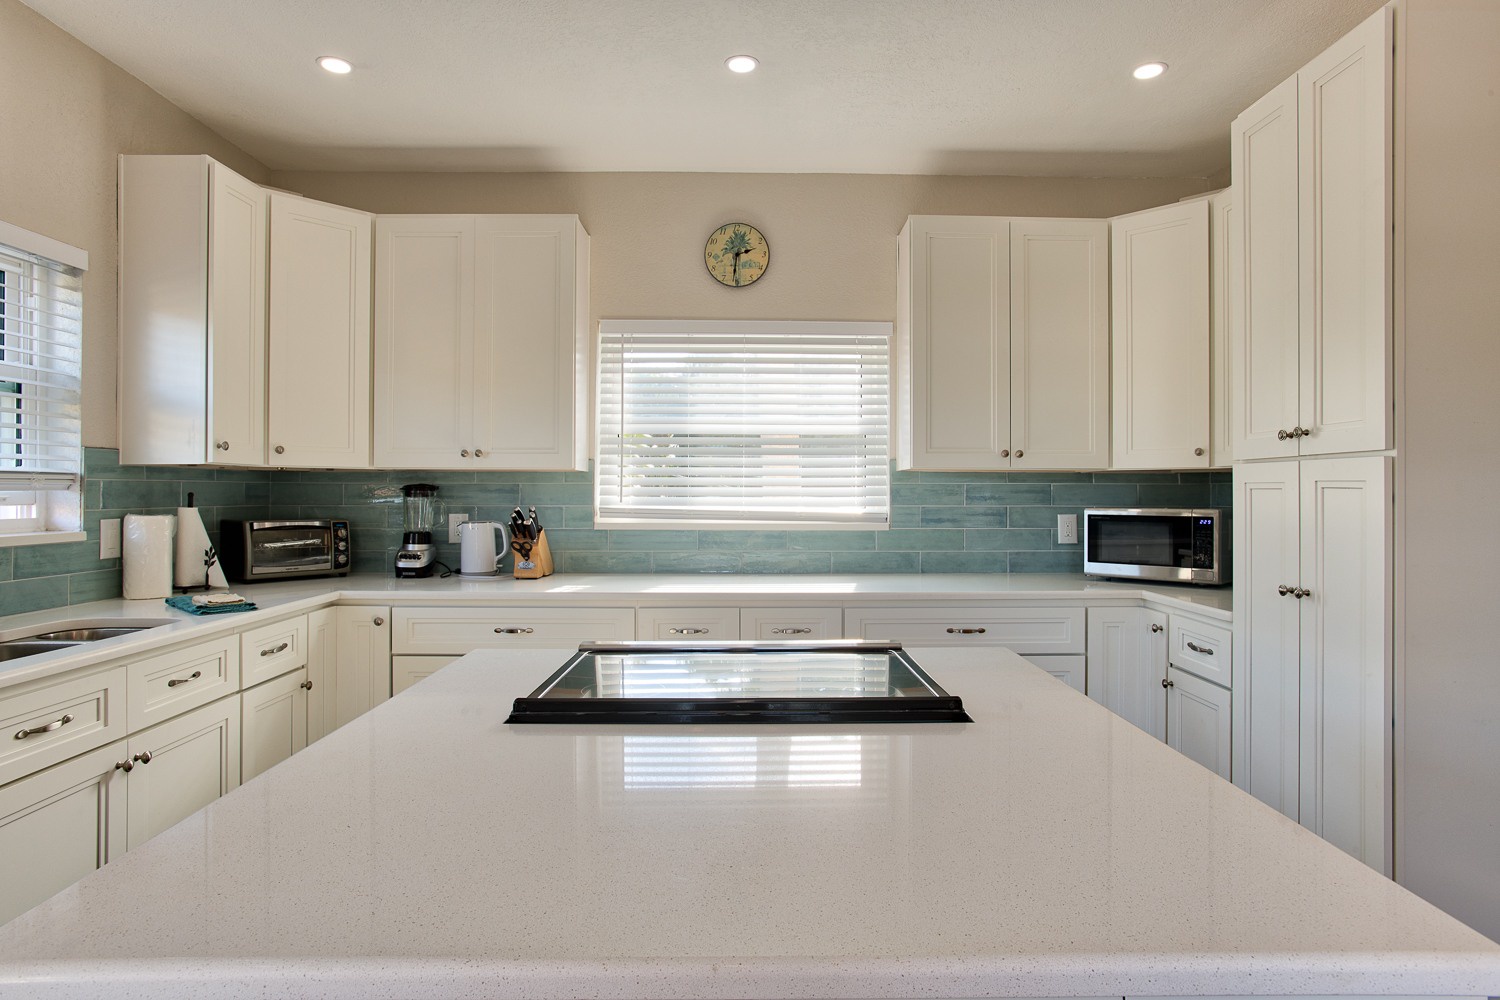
(276, 600)
(1047, 849)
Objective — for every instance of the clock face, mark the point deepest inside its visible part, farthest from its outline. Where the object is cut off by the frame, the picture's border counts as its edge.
(737, 254)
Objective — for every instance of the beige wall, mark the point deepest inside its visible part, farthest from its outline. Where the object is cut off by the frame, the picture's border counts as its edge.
(832, 236)
(68, 112)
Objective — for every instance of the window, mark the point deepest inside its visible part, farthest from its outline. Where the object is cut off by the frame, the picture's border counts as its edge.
(41, 347)
(743, 424)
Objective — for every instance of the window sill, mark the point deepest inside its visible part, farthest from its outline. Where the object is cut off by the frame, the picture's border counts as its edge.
(9, 540)
(689, 524)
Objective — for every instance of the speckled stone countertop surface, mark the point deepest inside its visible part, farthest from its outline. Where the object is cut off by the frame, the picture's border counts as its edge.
(1048, 849)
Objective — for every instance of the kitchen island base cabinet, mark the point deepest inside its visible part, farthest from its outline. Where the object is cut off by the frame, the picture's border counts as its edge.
(180, 766)
(58, 825)
(273, 722)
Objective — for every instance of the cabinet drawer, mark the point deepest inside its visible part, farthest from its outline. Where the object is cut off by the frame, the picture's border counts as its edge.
(1024, 630)
(462, 630)
(688, 623)
(167, 685)
(86, 712)
(1202, 649)
(272, 650)
(792, 623)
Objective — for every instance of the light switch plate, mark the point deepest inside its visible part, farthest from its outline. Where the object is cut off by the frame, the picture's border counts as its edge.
(454, 520)
(109, 538)
(1067, 529)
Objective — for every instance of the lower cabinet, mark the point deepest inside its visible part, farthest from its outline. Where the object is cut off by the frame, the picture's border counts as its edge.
(180, 766)
(348, 665)
(791, 623)
(1198, 720)
(1128, 665)
(407, 670)
(1026, 630)
(1071, 670)
(273, 722)
(58, 825)
(695, 624)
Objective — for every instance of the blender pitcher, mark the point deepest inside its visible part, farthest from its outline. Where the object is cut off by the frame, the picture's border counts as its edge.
(421, 511)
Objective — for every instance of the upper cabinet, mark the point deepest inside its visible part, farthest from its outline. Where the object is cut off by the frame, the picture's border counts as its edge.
(319, 335)
(1312, 337)
(192, 313)
(481, 342)
(1002, 337)
(1159, 260)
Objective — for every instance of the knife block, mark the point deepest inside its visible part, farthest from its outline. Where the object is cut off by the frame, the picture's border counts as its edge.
(540, 563)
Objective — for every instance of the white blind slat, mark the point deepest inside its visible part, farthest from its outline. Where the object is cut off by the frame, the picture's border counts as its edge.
(744, 421)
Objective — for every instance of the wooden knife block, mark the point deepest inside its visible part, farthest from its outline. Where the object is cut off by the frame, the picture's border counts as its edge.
(540, 563)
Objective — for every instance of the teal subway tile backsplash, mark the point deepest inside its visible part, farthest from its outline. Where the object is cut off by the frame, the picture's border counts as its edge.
(941, 522)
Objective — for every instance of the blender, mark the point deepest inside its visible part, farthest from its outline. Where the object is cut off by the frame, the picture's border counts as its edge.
(418, 515)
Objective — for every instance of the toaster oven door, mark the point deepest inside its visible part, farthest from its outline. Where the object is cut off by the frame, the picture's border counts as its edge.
(290, 549)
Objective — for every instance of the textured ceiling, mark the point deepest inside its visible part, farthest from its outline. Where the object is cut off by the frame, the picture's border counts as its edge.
(847, 86)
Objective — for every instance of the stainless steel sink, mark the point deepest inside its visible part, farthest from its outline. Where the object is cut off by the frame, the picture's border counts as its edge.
(17, 643)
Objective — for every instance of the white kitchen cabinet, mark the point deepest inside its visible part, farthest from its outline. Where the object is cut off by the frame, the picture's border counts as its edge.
(61, 717)
(407, 670)
(1127, 656)
(268, 651)
(1161, 338)
(1224, 291)
(1002, 338)
(192, 315)
(423, 631)
(1071, 670)
(796, 624)
(58, 825)
(322, 669)
(687, 623)
(361, 674)
(318, 372)
(163, 685)
(1312, 165)
(1312, 602)
(1026, 630)
(180, 766)
(481, 342)
(1198, 720)
(273, 722)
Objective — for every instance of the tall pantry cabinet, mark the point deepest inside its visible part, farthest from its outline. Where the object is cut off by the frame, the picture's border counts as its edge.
(1393, 215)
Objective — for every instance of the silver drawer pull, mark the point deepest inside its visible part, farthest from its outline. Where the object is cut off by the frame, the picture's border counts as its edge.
(183, 680)
(275, 649)
(966, 631)
(791, 631)
(687, 631)
(512, 631)
(21, 734)
(1199, 649)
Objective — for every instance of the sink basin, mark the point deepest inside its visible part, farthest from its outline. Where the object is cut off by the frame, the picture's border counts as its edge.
(72, 632)
(76, 635)
(17, 648)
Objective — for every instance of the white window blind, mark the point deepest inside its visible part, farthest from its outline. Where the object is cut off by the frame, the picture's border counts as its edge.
(763, 423)
(41, 347)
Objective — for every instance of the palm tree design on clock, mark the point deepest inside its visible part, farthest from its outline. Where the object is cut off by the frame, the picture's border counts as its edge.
(737, 245)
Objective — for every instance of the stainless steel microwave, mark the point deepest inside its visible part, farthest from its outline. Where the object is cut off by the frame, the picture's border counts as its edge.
(252, 551)
(1174, 544)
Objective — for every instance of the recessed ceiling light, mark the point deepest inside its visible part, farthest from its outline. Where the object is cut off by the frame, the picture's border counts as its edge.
(334, 64)
(741, 64)
(1150, 71)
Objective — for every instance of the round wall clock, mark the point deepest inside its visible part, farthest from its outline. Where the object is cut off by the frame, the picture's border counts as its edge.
(737, 254)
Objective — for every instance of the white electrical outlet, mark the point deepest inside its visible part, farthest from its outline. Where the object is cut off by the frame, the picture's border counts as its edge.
(1067, 529)
(109, 538)
(454, 520)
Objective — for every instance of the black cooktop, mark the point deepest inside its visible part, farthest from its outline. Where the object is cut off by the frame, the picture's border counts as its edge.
(739, 682)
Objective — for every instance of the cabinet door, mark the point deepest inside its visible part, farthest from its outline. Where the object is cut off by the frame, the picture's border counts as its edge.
(1264, 334)
(1266, 632)
(1128, 663)
(319, 336)
(687, 623)
(1059, 343)
(424, 342)
(407, 670)
(362, 669)
(322, 672)
(1161, 336)
(531, 350)
(1346, 655)
(953, 344)
(273, 722)
(1344, 114)
(1198, 720)
(1071, 670)
(1224, 291)
(194, 759)
(791, 623)
(237, 222)
(59, 825)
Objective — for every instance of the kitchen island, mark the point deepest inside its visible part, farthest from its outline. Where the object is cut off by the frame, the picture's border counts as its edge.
(1046, 849)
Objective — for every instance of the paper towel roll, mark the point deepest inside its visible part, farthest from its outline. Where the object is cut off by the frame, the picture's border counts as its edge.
(147, 552)
(194, 553)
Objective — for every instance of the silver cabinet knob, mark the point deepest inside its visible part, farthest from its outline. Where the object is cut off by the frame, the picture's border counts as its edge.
(1302, 432)
(464, 453)
(1284, 590)
(1198, 452)
(379, 622)
(222, 446)
(305, 685)
(1155, 627)
(142, 758)
(478, 452)
(1020, 453)
(280, 450)
(1166, 683)
(1005, 453)
(1301, 592)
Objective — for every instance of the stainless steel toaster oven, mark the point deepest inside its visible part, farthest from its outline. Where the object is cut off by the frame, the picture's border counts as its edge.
(253, 551)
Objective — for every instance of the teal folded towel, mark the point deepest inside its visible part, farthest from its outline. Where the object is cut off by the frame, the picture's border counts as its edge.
(184, 602)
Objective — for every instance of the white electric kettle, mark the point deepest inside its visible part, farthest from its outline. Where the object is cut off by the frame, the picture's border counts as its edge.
(482, 544)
